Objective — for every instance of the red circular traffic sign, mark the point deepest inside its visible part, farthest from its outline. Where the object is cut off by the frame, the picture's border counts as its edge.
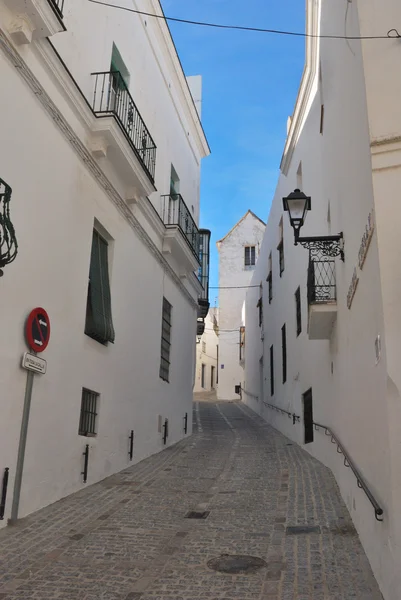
(37, 329)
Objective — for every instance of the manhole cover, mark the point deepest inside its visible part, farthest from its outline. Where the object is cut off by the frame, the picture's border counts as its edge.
(234, 564)
(197, 515)
(302, 529)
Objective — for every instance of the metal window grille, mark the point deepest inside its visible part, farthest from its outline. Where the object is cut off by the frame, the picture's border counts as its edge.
(260, 307)
(271, 371)
(284, 351)
(270, 282)
(203, 346)
(250, 256)
(166, 341)
(58, 6)
(321, 280)
(280, 249)
(298, 310)
(241, 344)
(89, 412)
(99, 322)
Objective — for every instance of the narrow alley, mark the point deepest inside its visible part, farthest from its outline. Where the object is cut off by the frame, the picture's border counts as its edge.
(130, 537)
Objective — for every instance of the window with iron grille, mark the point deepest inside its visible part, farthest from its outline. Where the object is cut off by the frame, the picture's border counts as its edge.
(284, 351)
(260, 307)
(166, 341)
(250, 256)
(280, 249)
(269, 278)
(241, 343)
(203, 346)
(99, 321)
(89, 412)
(271, 371)
(298, 310)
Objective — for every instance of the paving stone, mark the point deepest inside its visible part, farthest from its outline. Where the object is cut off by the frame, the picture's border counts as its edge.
(128, 538)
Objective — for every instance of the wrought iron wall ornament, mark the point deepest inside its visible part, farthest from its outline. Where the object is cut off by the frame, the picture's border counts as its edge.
(297, 204)
(8, 240)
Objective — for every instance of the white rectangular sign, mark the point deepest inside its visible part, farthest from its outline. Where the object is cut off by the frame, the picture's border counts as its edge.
(34, 363)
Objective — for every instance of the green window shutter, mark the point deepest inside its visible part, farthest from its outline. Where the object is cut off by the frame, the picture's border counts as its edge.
(99, 323)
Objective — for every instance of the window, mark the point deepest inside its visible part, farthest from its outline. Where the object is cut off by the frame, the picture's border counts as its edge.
(99, 322)
(269, 279)
(241, 343)
(174, 182)
(166, 343)
(271, 371)
(203, 346)
(260, 307)
(250, 256)
(298, 310)
(280, 247)
(284, 351)
(121, 79)
(321, 118)
(89, 411)
(203, 373)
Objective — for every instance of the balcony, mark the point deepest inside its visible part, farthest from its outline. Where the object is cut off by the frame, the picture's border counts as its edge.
(118, 118)
(34, 19)
(182, 238)
(322, 297)
(203, 272)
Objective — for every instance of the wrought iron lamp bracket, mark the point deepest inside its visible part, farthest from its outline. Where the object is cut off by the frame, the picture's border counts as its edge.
(8, 240)
(330, 245)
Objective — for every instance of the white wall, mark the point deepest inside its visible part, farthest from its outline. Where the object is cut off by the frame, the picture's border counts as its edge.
(236, 277)
(207, 354)
(351, 393)
(58, 192)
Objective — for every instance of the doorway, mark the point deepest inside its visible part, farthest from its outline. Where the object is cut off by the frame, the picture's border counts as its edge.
(308, 416)
(212, 378)
(203, 376)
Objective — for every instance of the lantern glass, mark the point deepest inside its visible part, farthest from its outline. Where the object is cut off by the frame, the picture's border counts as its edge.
(297, 205)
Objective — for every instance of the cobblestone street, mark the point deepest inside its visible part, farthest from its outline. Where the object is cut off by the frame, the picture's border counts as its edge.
(128, 537)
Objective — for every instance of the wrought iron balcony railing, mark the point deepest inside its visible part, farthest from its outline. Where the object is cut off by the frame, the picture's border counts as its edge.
(111, 97)
(58, 6)
(321, 280)
(176, 213)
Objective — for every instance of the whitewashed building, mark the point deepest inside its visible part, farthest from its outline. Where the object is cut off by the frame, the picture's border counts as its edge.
(101, 146)
(238, 253)
(324, 358)
(207, 354)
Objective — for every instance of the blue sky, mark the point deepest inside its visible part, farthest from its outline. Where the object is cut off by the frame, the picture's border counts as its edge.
(250, 83)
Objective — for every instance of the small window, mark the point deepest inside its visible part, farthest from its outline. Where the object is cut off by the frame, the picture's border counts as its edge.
(89, 412)
(203, 346)
(174, 183)
(271, 371)
(242, 343)
(260, 307)
(280, 247)
(270, 279)
(250, 256)
(321, 118)
(166, 341)
(99, 322)
(298, 310)
(284, 351)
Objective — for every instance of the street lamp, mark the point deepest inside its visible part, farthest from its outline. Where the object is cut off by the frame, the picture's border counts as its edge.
(297, 205)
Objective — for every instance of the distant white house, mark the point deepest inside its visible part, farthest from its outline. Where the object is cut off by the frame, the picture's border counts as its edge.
(323, 335)
(101, 147)
(207, 353)
(238, 253)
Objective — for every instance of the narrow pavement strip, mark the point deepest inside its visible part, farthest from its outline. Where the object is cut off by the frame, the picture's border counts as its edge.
(237, 496)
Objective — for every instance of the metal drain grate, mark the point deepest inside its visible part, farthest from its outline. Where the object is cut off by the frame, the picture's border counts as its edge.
(193, 514)
(302, 529)
(236, 563)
